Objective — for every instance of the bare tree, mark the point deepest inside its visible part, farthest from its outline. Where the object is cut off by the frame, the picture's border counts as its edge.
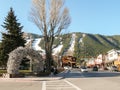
(51, 17)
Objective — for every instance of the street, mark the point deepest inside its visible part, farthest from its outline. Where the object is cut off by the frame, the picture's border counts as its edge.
(102, 80)
(71, 79)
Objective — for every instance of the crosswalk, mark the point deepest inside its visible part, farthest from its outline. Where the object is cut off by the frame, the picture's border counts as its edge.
(58, 85)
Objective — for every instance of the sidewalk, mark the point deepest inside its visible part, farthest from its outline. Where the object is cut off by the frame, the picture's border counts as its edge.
(33, 79)
(29, 79)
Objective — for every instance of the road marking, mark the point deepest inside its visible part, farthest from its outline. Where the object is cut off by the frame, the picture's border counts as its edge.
(77, 88)
(44, 85)
(59, 85)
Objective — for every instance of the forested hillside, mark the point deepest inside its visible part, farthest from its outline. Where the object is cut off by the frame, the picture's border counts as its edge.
(85, 46)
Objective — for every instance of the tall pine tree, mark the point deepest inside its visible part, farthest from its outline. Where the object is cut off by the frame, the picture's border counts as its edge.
(11, 38)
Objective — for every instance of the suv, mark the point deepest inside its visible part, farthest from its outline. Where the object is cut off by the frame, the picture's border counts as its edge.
(83, 69)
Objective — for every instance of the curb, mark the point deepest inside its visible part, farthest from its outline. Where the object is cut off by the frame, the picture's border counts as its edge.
(29, 79)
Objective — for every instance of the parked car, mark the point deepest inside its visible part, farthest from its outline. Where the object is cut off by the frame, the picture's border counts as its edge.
(66, 67)
(95, 68)
(83, 69)
(114, 68)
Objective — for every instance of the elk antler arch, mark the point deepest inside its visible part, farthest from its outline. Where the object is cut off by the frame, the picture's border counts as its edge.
(16, 56)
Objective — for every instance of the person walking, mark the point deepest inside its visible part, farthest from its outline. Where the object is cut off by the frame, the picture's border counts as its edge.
(52, 71)
(55, 71)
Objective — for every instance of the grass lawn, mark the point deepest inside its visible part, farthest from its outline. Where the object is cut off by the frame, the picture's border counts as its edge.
(26, 72)
(29, 73)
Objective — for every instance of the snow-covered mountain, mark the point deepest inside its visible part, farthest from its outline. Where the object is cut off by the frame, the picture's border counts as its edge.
(35, 44)
(79, 44)
(70, 50)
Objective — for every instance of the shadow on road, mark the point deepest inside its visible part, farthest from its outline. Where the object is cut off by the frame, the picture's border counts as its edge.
(91, 74)
(101, 74)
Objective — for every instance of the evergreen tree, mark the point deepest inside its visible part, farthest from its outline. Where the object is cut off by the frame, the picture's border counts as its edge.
(11, 38)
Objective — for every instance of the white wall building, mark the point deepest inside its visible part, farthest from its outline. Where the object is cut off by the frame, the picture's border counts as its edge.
(99, 59)
(113, 54)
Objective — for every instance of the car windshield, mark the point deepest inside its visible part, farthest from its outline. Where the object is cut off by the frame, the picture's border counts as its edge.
(114, 66)
(83, 67)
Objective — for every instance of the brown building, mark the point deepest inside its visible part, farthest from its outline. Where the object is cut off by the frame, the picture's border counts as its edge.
(69, 61)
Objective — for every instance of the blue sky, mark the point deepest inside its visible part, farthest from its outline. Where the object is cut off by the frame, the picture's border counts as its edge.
(88, 16)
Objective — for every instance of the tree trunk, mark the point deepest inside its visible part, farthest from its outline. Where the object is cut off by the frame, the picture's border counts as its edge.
(48, 60)
(48, 50)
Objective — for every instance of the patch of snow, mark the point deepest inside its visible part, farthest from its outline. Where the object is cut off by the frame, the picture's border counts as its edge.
(36, 43)
(28, 41)
(72, 44)
(57, 49)
(84, 35)
(81, 39)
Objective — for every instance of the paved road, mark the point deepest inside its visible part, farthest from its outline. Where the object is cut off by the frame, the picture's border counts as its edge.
(101, 80)
(76, 73)
(73, 80)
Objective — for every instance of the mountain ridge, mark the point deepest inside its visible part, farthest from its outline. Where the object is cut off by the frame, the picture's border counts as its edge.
(82, 44)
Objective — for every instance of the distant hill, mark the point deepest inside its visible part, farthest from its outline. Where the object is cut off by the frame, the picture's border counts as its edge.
(31, 35)
(81, 45)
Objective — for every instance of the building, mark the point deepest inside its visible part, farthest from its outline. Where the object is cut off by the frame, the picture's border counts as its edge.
(69, 61)
(98, 61)
(112, 57)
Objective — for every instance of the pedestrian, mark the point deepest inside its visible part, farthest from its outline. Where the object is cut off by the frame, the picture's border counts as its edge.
(44, 70)
(52, 71)
(55, 71)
